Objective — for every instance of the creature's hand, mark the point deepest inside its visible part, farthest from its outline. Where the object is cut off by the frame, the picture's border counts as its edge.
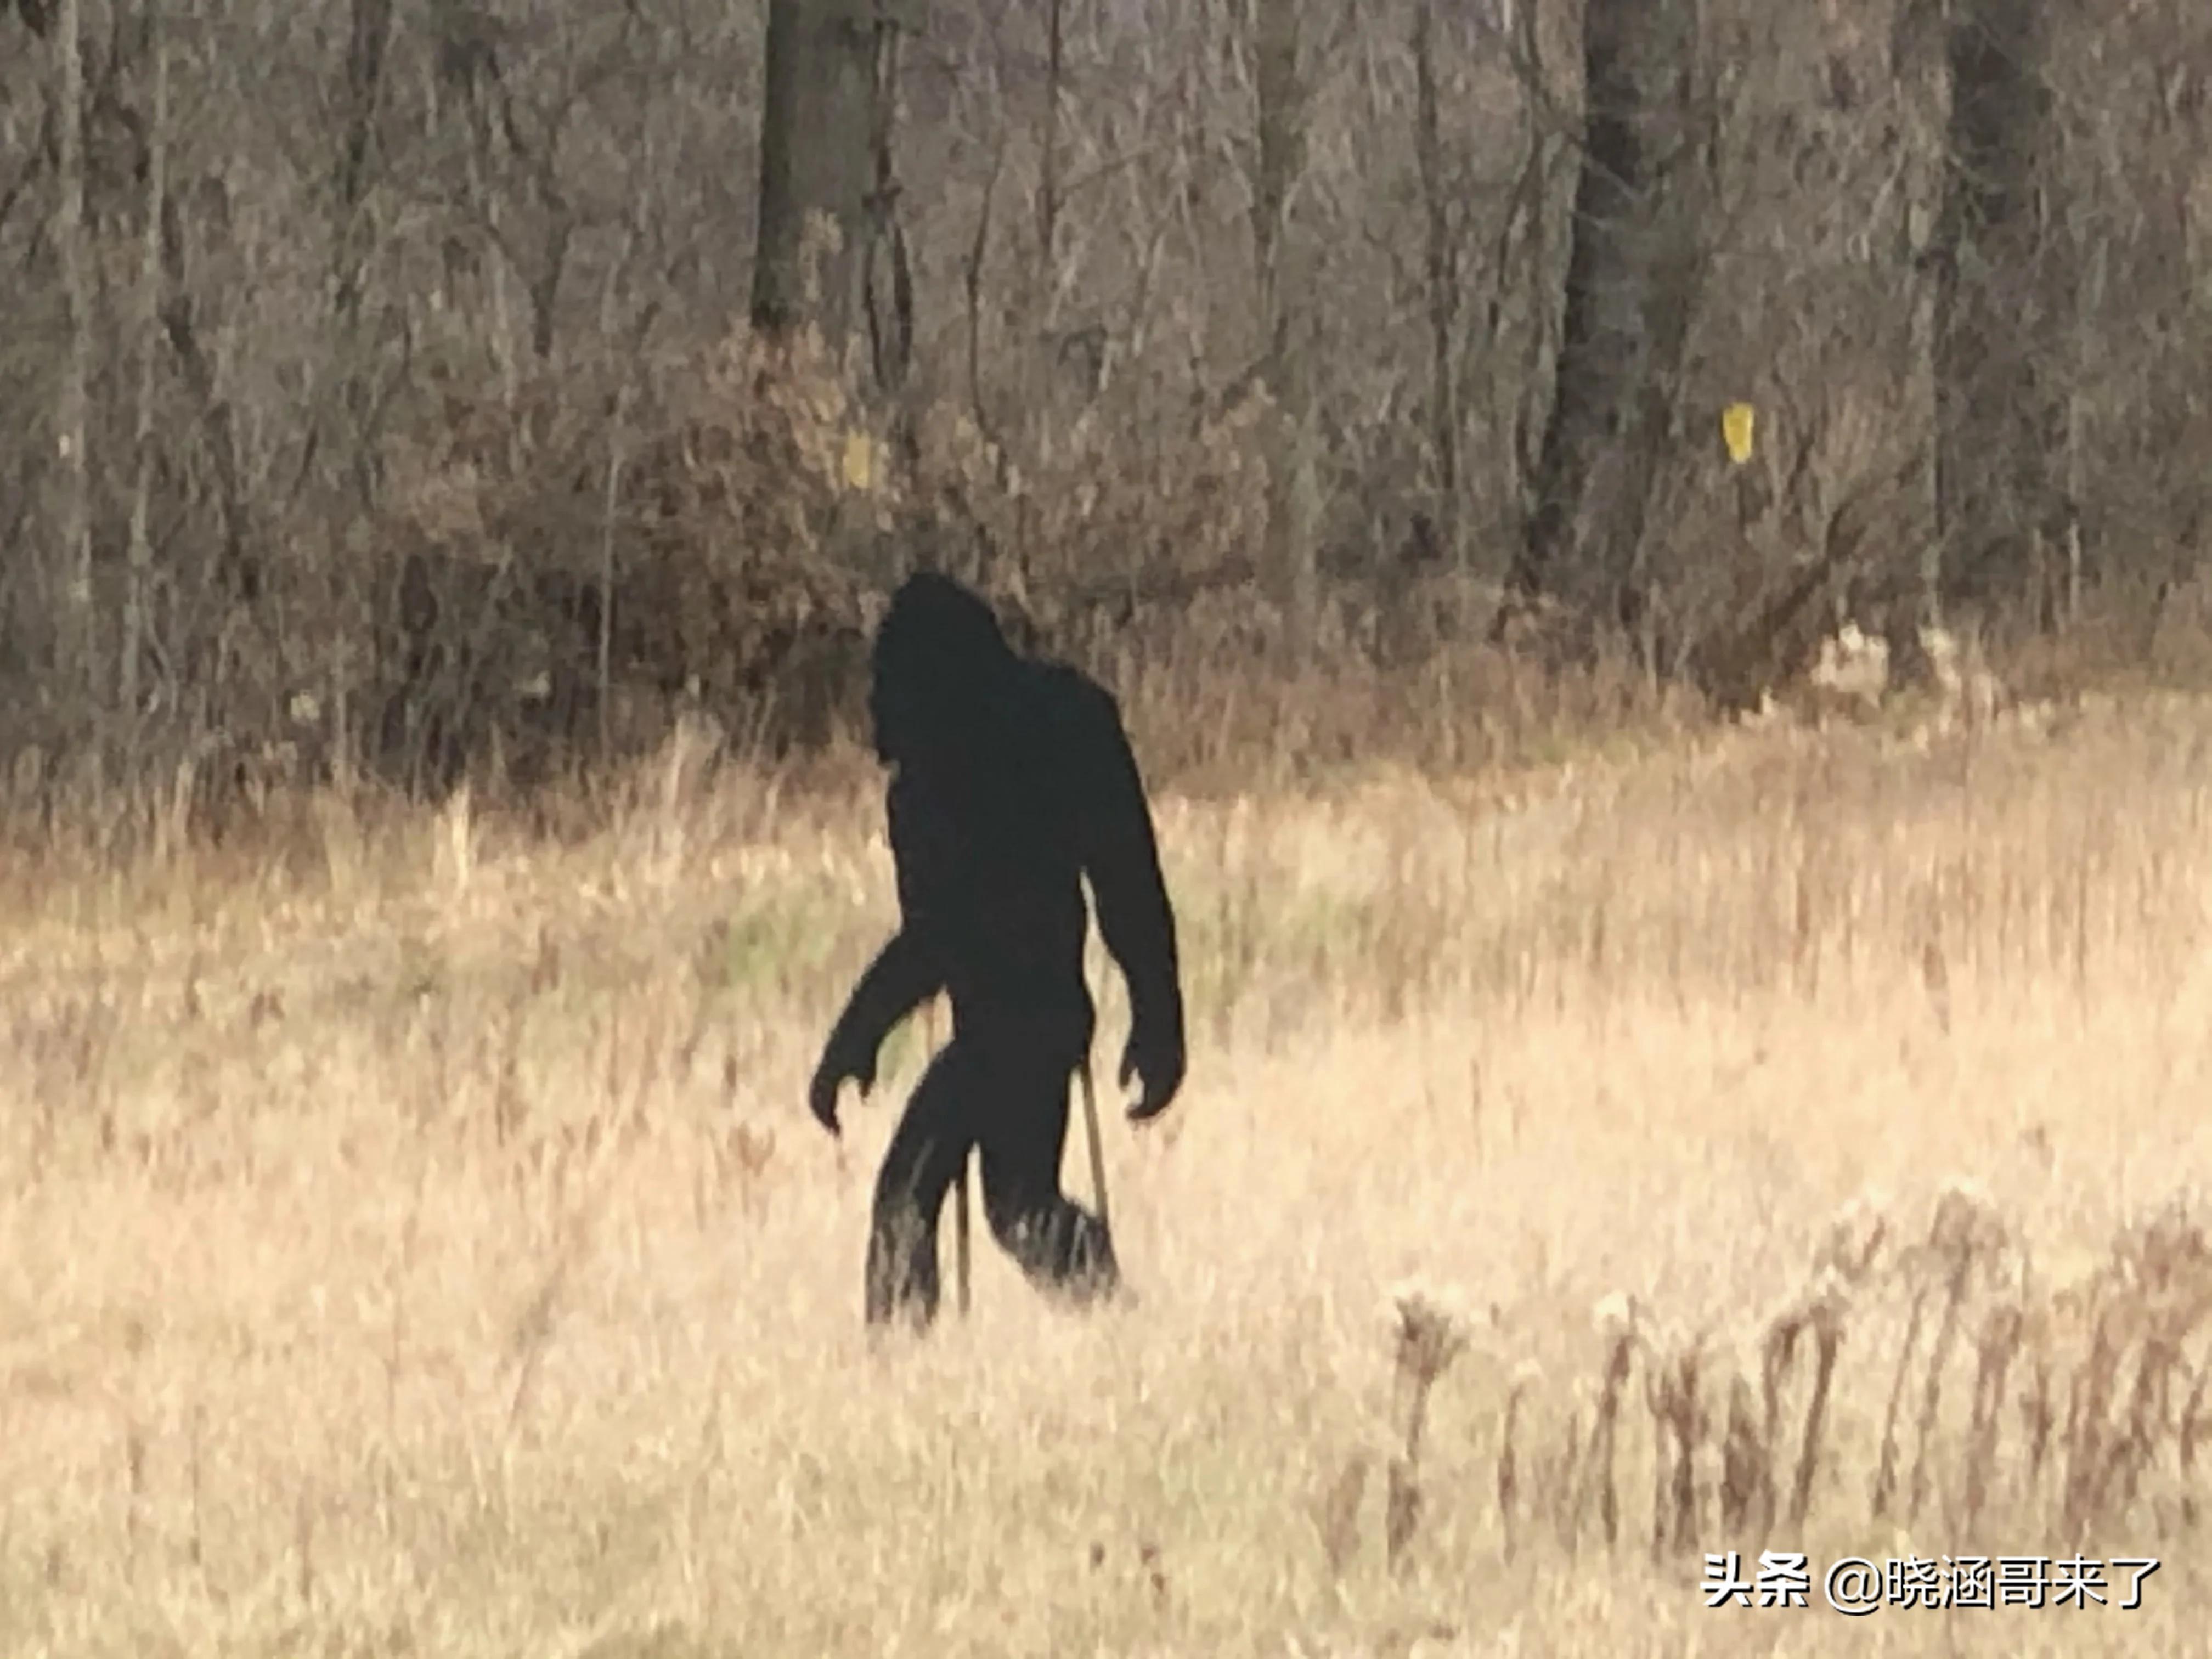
(1157, 1056)
(841, 1059)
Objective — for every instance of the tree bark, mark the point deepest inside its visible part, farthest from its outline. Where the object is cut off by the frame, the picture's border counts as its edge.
(353, 233)
(2003, 328)
(1285, 315)
(887, 276)
(1442, 280)
(72, 505)
(1633, 274)
(818, 116)
(141, 576)
(1048, 197)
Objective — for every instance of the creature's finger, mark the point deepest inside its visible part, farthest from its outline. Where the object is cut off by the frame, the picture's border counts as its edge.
(1147, 1104)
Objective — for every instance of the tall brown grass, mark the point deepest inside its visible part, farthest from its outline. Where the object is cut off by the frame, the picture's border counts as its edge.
(413, 1240)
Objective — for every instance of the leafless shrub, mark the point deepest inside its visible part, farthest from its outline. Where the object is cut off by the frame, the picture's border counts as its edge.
(2122, 1343)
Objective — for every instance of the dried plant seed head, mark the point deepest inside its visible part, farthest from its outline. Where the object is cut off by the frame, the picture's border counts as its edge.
(1828, 1299)
(1616, 1317)
(2168, 1251)
(1856, 1236)
(1413, 1289)
(1430, 1336)
(1959, 1206)
(1969, 1191)
(1429, 1299)
(1966, 1225)
(1784, 1325)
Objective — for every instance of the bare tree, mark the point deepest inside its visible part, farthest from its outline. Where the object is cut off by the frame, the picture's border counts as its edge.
(1442, 280)
(1633, 280)
(886, 274)
(72, 509)
(1048, 139)
(2003, 334)
(139, 581)
(352, 232)
(1285, 310)
(817, 117)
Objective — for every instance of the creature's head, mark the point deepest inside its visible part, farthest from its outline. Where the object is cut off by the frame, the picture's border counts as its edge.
(943, 674)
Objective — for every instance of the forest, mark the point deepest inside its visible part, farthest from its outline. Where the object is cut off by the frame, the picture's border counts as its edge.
(422, 391)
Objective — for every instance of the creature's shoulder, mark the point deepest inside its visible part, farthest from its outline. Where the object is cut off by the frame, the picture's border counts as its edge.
(1085, 746)
(1075, 707)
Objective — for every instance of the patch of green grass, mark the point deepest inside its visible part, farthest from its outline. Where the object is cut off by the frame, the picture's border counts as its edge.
(775, 939)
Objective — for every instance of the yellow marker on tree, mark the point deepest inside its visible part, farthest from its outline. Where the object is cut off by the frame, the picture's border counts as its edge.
(1737, 421)
(860, 462)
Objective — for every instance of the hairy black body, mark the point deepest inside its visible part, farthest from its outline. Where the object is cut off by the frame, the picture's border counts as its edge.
(1012, 782)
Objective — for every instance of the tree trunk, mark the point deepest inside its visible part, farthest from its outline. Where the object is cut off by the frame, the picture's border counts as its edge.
(1048, 195)
(818, 116)
(887, 276)
(1285, 316)
(353, 234)
(1443, 280)
(72, 505)
(2003, 326)
(140, 577)
(1633, 280)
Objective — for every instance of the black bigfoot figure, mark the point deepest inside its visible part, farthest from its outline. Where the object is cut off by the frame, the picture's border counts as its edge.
(1011, 780)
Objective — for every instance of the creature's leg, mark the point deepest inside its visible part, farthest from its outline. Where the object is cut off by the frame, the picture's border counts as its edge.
(1022, 1119)
(924, 1158)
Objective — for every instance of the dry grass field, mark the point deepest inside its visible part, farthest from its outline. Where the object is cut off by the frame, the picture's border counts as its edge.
(412, 1240)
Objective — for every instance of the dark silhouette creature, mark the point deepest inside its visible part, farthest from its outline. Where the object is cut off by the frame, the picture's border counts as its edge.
(1011, 781)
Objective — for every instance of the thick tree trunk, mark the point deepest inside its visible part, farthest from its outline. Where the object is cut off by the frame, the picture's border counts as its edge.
(2003, 328)
(1633, 280)
(817, 120)
(71, 519)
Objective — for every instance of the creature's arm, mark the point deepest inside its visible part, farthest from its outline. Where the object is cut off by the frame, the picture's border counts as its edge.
(906, 973)
(1136, 919)
(903, 975)
(899, 980)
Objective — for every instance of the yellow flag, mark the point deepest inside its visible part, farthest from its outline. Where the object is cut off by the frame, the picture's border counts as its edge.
(1737, 421)
(859, 461)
